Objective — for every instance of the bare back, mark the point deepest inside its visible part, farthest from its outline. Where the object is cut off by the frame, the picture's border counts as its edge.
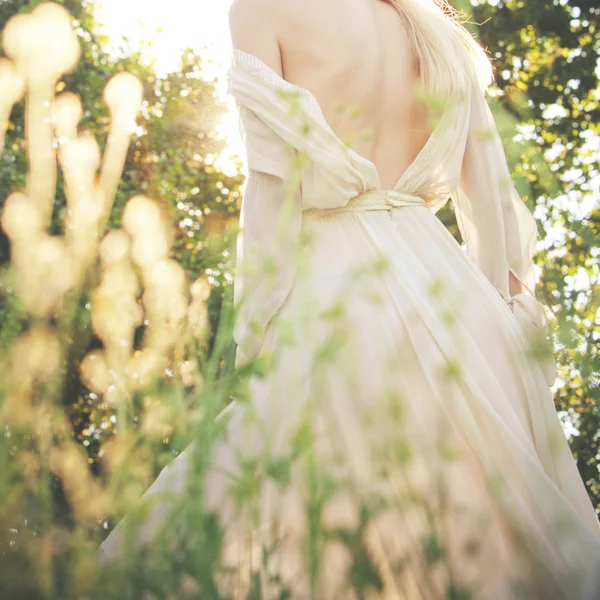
(355, 57)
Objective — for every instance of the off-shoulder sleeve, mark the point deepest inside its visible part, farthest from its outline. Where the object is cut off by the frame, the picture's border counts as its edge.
(498, 229)
(270, 223)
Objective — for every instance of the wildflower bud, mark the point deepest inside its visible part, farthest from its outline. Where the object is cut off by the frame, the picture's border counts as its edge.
(142, 220)
(114, 247)
(80, 159)
(20, 217)
(142, 368)
(43, 44)
(140, 214)
(156, 418)
(168, 275)
(12, 85)
(201, 289)
(95, 373)
(123, 94)
(191, 375)
(58, 43)
(67, 112)
(17, 38)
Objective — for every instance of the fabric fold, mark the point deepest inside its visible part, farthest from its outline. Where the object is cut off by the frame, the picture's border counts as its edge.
(498, 229)
(269, 236)
(334, 173)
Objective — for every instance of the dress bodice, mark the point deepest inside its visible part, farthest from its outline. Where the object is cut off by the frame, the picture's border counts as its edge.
(333, 172)
(296, 163)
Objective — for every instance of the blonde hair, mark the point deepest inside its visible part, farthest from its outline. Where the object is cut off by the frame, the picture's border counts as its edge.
(449, 58)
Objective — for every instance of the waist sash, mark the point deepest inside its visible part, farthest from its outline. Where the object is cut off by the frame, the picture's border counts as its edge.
(372, 200)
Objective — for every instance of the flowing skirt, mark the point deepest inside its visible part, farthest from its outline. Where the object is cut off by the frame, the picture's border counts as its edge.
(403, 441)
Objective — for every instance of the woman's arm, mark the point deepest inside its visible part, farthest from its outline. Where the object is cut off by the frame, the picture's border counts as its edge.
(271, 212)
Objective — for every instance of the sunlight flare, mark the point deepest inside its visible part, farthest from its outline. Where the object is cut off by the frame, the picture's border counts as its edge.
(163, 34)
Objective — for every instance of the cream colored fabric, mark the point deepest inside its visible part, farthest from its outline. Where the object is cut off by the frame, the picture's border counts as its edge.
(403, 354)
(463, 159)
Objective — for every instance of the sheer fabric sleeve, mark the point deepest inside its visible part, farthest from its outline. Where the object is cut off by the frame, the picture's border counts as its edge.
(268, 240)
(498, 229)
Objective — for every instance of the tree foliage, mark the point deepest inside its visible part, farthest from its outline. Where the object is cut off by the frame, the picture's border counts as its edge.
(545, 56)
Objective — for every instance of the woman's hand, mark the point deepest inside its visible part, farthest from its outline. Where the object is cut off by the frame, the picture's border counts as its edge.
(514, 285)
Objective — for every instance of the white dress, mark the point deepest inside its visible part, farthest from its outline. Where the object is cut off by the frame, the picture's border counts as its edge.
(413, 432)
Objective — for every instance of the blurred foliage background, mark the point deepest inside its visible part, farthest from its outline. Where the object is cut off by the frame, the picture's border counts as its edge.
(546, 58)
(548, 93)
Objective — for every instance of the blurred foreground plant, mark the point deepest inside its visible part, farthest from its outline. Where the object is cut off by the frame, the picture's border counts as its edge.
(151, 321)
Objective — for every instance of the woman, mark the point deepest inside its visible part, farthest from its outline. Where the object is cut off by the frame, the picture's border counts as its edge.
(421, 453)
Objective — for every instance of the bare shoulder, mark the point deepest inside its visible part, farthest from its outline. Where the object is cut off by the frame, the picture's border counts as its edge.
(256, 27)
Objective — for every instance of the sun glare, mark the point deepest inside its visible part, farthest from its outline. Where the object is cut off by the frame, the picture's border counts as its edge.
(175, 25)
